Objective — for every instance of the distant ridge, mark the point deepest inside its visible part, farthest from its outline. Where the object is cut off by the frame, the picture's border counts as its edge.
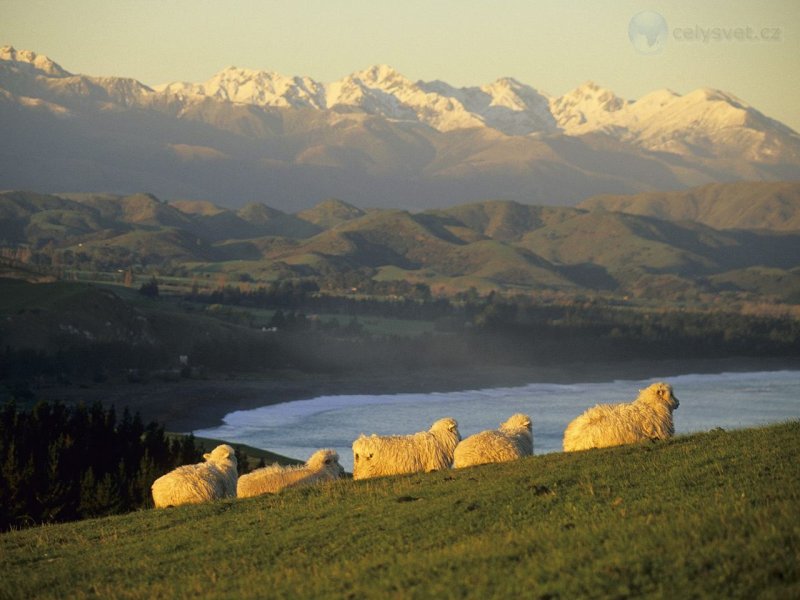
(742, 205)
(486, 245)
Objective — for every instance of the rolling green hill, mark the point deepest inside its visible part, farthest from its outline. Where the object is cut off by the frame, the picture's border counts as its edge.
(708, 515)
(330, 213)
(488, 245)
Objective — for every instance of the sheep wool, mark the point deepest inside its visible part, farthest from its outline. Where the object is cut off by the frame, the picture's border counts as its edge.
(193, 484)
(323, 465)
(432, 450)
(649, 417)
(512, 440)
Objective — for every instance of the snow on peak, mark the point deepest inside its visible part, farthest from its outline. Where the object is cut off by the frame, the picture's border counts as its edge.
(383, 76)
(657, 99)
(714, 95)
(250, 86)
(40, 62)
(590, 93)
(586, 108)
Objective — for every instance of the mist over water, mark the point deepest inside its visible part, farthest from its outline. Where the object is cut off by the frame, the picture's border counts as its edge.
(297, 429)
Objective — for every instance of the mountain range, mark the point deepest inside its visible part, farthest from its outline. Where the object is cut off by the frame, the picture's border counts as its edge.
(375, 138)
(486, 245)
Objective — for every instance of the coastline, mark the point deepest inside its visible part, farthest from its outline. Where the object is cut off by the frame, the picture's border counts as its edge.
(191, 404)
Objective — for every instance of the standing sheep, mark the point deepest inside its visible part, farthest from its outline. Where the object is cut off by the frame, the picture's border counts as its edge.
(193, 484)
(323, 465)
(512, 440)
(649, 417)
(432, 450)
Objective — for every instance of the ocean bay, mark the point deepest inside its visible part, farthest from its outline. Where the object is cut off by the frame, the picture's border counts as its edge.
(298, 428)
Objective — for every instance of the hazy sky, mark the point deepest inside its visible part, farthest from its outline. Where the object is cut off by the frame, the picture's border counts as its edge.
(552, 45)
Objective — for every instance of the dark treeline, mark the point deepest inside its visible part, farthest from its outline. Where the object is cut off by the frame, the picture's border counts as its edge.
(519, 329)
(469, 330)
(393, 299)
(518, 343)
(62, 463)
(91, 360)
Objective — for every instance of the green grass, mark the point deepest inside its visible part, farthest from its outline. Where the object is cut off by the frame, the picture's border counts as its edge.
(710, 515)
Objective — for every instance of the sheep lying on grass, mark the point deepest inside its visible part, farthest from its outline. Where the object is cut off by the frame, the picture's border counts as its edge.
(649, 417)
(432, 450)
(323, 465)
(193, 484)
(512, 440)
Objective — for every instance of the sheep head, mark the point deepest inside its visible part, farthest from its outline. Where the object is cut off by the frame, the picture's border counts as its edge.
(362, 450)
(517, 421)
(221, 454)
(446, 424)
(660, 393)
(325, 460)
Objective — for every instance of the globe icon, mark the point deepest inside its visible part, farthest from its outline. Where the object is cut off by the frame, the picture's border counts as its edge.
(648, 32)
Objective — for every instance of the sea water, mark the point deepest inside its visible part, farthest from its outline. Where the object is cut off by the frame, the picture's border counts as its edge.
(297, 429)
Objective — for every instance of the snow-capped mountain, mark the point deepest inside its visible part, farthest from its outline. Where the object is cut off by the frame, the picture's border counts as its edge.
(662, 120)
(247, 86)
(373, 137)
(26, 74)
(30, 61)
(506, 105)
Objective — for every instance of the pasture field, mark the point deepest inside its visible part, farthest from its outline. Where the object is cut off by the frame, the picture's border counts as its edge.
(708, 515)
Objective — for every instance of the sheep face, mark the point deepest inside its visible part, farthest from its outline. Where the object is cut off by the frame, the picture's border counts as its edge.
(663, 391)
(326, 460)
(447, 424)
(361, 455)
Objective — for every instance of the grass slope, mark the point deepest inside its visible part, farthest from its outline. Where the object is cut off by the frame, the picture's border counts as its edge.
(713, 515)
(771, 205)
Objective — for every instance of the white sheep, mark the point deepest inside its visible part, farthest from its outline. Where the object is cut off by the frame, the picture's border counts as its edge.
(649, 417)
(193, 484)
(323, 465)
(432, 450)
(512, 440)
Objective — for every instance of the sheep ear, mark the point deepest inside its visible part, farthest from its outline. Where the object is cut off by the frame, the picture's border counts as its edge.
(207, 455)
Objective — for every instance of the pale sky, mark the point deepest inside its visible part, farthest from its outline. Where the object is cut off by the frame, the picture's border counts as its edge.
(552, 45)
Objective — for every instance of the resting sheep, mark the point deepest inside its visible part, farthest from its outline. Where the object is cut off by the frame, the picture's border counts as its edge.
(432, 450)
(649, 417)
(512, 440)
(323, 465)
(193, 484)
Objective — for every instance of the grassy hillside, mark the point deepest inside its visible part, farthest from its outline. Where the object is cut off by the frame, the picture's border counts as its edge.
(739, 205)
(710, 515)
(488, 245)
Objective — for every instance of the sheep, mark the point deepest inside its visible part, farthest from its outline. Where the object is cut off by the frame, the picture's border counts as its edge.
(431, 450)
(193, 484)
(512, 440)
(649, 417)
(323, 465)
